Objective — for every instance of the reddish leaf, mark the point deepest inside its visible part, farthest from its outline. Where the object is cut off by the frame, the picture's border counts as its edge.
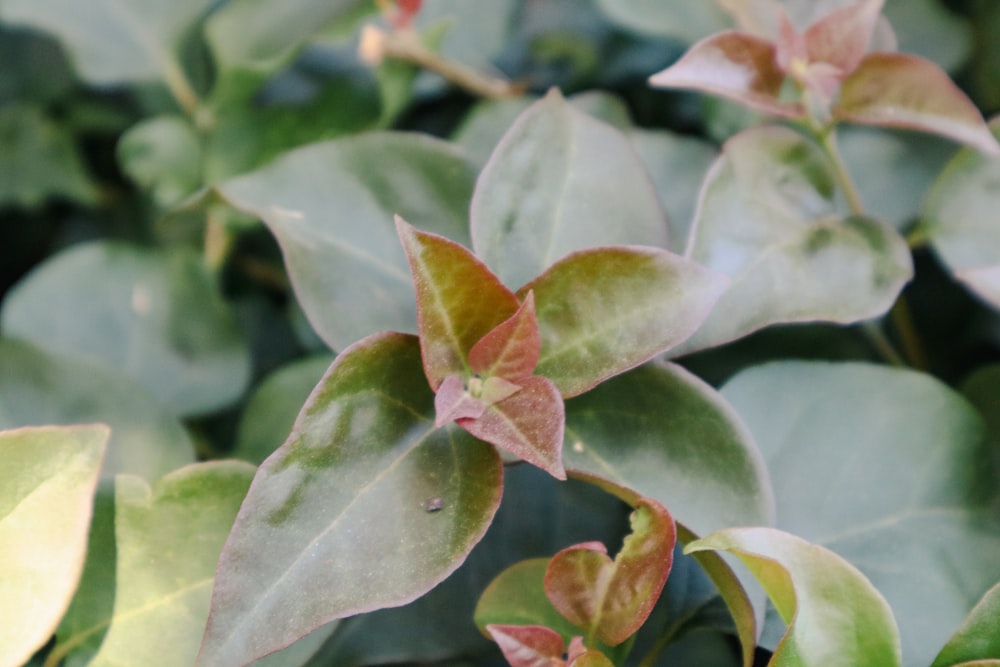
(841, 37)
(612, 599)
(897, 90)
(459, 300)
(528, 645)
(736, 65)
(529, 424)
(453, 402)
(511, 350)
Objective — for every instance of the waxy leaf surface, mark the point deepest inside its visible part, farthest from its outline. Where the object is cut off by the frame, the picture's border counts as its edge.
(886, 468)
(769, 218)
(366, 506)
(331, 207)
(157, 317)
(977, 639)
(606, 310)
(47, 486)
(735, 65)
(834, 615)
(37, 388)
(168, 540)
(114, 42)
(960, 219)
(587, 188)
(684, 21)
(459, 300)
(611, 599)
(900, 90)
(529, 424)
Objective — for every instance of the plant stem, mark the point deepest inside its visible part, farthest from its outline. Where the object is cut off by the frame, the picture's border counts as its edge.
(828, 140)
(406, 45)
(913, 347)
(180, 87)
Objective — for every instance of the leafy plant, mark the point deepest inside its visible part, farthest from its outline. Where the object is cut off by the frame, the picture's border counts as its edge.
(555, 330)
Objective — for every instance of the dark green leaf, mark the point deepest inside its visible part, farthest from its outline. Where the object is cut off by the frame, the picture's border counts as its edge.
(883, 466)
(37, 388)
(163, 155)
(606, 310)
(46, 500)
(835, 616)
(155, 316)
(365, 506)
(769, 218)
(586, 188)
(331, 206)
(270, 413)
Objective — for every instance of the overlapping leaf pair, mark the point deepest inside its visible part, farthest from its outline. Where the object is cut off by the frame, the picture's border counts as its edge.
(843, 66)
(502, 362)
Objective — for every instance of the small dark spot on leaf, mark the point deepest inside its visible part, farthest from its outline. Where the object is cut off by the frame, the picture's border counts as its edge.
(435, 504)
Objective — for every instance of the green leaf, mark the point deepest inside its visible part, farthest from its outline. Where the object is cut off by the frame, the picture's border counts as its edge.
(256, 34)
(606, 310)
(929, 29)
(977, 639)
(899, 90)
(591, 659)
(684, 21)
(331, 207)
(835, 615)
(270, 412)
(163, 155)
(517, 597)
(156, 316)
(114, 42)
(735, 65)
(587, 188)
(611, 599)
(459, 300)
(38, 159)
(960, 219)
(168, 540)
(37, 388)
(982, 389)
(769, 218)
(885, 467)
(365, 506)
(677, 164)
(46, 500)
(665, 434)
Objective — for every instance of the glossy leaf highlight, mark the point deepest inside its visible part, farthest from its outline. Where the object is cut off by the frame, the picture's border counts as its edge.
(47, 485)
(366, 505)
(834, 615)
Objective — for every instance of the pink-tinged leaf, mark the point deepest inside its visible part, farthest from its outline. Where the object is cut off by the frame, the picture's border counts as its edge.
(736, 65)
(897, 90)
(611, 599)
(528, 645)
(528, 424)
(590, 659)
(459, 300)
(511, 350)
(606, 310)
(790, 46)
(576, 649)
(453, 402)
(841, 37)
